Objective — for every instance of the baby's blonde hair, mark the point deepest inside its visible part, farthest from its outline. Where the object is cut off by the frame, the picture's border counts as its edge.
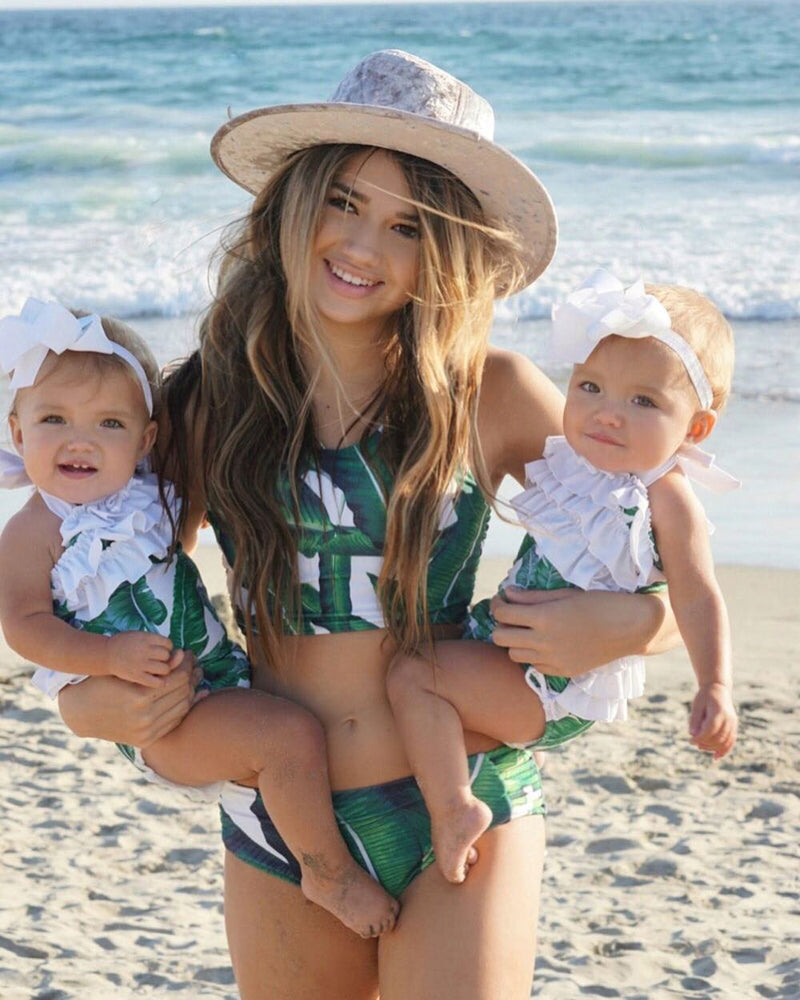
(705, 329)
(124, 335)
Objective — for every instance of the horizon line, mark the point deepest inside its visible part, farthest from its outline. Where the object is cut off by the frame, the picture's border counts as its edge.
(32, 6)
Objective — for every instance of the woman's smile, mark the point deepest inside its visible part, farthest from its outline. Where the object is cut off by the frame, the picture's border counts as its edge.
(348, 282)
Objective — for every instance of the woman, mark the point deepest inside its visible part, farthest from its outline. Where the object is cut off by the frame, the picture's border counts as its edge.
(346, 478)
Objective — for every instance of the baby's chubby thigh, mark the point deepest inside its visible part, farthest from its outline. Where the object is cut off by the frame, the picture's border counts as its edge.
(235, 734)
(486, 688)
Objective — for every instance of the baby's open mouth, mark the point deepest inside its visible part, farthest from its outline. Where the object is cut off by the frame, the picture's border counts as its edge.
(76, 469)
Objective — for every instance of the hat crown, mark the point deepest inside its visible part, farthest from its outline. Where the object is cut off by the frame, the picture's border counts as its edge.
(395, 79)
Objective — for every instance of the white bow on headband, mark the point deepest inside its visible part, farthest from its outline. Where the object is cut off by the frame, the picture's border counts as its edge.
(47, 326)
(603, 306)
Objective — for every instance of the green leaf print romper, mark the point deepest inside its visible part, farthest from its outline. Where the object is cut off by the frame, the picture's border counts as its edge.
(113, 577)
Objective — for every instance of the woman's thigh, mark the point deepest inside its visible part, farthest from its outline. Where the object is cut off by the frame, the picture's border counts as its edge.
(285, 948)
(476, 940)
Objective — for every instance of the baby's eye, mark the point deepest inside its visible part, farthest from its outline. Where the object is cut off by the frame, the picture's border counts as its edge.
(52, 418)
(113, 423)
(644, 401)
(589, 386)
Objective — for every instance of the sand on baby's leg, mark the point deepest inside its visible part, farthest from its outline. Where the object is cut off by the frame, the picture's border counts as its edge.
(256, 739)
(460, 685)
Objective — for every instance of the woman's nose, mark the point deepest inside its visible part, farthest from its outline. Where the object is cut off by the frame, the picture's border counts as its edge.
(362, 244)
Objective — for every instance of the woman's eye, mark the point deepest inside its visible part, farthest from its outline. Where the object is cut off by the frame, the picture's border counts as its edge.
(409, 231)
(113, 423)
(589, 386)
(644, 401)
(341, 203)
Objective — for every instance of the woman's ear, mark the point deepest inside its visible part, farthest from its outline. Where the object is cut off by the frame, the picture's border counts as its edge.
(700, 426)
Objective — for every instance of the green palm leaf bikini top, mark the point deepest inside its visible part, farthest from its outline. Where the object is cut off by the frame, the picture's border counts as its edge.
(340, 537)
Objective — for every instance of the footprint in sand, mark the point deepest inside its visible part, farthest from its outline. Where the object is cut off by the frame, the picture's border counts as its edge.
(611, 845)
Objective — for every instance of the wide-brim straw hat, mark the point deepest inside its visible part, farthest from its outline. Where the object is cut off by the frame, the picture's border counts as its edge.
(398, 101)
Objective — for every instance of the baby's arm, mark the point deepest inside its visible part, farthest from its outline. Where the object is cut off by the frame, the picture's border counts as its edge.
(29, 546)
(683, 544)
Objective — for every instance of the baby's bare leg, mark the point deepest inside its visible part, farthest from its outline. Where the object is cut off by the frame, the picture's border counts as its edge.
(251, 737)
(474, 686)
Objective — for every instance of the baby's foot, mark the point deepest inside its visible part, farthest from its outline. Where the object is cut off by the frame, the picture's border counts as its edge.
(350, 894)
(454, 833)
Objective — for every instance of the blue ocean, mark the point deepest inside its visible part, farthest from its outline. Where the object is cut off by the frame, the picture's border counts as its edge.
(668, 135)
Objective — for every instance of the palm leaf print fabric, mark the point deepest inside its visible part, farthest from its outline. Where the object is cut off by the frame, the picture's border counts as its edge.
(340, 528)
(171, 600)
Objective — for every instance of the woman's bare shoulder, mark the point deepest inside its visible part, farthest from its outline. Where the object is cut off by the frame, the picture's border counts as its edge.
(519, 408)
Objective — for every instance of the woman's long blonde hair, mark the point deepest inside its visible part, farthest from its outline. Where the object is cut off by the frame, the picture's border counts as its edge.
(255, 396)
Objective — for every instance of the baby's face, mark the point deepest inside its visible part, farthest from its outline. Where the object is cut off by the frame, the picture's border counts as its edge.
(630, 405)
(81, 431)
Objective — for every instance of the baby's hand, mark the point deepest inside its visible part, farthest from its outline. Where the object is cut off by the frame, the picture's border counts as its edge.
(141, 657)
(713, 722)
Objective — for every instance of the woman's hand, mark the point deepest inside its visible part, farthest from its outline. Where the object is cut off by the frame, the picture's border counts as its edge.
(108, 708)
(568, 632)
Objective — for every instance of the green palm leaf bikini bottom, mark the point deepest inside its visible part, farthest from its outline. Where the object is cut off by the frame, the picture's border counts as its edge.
(386, 827)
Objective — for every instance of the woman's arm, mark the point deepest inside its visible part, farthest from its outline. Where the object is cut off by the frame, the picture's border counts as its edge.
(519, 409)
(178, 447)
(569, 630)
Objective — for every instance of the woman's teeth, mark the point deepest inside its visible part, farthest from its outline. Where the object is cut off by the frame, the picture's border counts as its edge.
(351, 279)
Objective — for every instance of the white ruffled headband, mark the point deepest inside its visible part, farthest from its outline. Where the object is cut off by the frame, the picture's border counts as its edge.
(47, 326)
(603, 306)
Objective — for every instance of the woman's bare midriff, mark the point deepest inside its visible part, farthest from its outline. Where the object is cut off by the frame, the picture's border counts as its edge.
(342, 679)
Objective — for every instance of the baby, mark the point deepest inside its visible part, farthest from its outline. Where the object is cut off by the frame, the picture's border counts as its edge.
(87, 588)
(608, 507)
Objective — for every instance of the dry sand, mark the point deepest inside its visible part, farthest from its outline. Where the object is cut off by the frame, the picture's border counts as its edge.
(666, 875)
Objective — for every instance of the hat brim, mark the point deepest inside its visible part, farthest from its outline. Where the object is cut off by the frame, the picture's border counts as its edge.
(251, 147)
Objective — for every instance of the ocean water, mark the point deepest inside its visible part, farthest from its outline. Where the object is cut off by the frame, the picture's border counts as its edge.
(668, 135)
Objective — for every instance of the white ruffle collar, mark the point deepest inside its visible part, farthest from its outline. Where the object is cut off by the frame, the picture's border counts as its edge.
(108, 542)
(594, 526)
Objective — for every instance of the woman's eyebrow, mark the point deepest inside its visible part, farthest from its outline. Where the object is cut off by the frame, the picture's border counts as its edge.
(353, 195)
(349, 191)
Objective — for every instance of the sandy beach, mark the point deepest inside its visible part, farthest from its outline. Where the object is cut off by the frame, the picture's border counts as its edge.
(666, 875)
(666, 134)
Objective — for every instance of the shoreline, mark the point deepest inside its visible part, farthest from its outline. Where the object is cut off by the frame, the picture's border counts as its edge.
(665, 874)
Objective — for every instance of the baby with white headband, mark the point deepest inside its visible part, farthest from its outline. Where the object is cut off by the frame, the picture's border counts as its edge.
(89, 587)
(608, 507)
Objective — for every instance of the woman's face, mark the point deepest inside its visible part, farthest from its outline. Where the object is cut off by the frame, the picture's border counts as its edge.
(365, 258)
